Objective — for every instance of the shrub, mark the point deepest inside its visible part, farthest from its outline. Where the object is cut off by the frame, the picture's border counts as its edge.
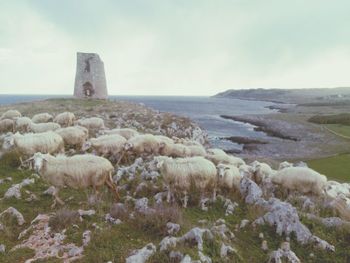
(62, 219)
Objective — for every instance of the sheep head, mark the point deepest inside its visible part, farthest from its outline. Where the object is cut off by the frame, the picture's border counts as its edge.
(86, 146)
(128, 146)
(221, 170)
(39, 161)
(9, 141)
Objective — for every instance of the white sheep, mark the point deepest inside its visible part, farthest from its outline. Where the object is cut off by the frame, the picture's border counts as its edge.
(261, 171)
(7, 125)
(179, 174)
(127, 133)
(106, 144)
(229, 177)
(78, 171)
(22, 124)
(43, 127)
(219, 156)
(93, 123)
(144, 143)
(197, 150)
(42, 117)
(11, 114)
(301, 179)
(74, 136)
(65, 119)
(28, 144)
(285, 164)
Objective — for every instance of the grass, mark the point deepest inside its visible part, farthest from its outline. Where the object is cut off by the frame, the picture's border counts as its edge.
(342, 118)
(336, 167)
(343, 130)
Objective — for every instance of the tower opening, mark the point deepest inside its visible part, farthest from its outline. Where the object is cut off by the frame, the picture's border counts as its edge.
(88, 89)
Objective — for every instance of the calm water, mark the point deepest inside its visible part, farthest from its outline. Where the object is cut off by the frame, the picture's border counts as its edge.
(205, 111)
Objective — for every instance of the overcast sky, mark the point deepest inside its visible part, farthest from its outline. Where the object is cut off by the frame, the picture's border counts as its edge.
(163, 47)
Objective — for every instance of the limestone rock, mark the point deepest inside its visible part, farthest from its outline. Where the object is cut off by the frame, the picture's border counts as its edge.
(142, 255)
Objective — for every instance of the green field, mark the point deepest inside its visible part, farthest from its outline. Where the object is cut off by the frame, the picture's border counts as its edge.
(340, 129)
(336, 167)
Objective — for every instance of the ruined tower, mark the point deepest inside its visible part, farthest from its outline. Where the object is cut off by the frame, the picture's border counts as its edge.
(90, 79)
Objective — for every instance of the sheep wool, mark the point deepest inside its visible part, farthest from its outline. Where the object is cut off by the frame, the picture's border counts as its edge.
(11, 114)
(42, 117)
(74, 136)
(65, 119)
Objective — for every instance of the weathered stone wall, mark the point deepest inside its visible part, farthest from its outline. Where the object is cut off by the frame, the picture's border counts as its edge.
(90, 79)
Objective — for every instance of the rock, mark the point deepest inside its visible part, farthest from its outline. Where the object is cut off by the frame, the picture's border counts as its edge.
(250, 190)
(159, 197)
(141, 205)
(261, 235)
(230, 207)
(50, 190)
(167, 243)
(15, 190)
(2, 248)
(172, 228)
(83, 213)
(277, 256)
(14, 212)
(203, 204)
(142, 255)
(264, 245)
(244, 223)
(223, 231)
(186, 259)
(75, 251)
(112, 220)
(226, 250)
(203, 258)
(176, 256)
(86, 237)
(196, 235)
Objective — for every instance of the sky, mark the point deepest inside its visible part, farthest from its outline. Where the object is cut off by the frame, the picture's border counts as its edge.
(178, 47)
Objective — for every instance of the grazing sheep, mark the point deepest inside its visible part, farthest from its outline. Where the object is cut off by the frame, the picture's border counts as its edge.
(93, 123)
(78, 171)
(284, 164)
(174, 150)
(197, 150)
(22, 124)
(43, 127)
(261, 172)
(28, 144)
(11, 114)
(7, 125)
(186, 142)
(219, 156)
(179, 174)
(65, 119)
(342, 206)
(229, 177)
(42, 117)
(127, 133)
(144, 143)
(74, 136)
(301, 179)
(106, 144)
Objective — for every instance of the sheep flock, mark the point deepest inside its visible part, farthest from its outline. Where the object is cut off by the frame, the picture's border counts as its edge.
(146, 171)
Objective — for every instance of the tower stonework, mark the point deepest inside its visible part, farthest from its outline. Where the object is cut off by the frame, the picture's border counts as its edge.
(90, 78)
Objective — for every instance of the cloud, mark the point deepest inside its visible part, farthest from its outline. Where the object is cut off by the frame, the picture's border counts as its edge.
(159, 47)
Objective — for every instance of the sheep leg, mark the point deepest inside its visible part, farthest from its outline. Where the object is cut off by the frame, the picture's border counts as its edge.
(168, 198)
(112, 186)
(185, 199)
(57, 198)
(214, 195)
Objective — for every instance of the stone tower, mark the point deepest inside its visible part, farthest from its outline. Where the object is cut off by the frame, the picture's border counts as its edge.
(90, 79)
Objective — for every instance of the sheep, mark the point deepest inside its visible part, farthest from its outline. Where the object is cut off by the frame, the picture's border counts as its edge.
(106, 144)
(28, 144)
(261, 172)
(284, 164)
(179, 174)
(145, 143)
(74, 136)
(78, 171)
(93, 123)
(7, 125)
(197, 150)
(65, 119)
(11, 114)
(219, 156)
(180, 150)
(127, 133)
(43, 127)
(229, 177)
(301, 179)
(42, 117)
(22, 124)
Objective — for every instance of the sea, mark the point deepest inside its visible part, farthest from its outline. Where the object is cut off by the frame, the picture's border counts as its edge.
(205, 111)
